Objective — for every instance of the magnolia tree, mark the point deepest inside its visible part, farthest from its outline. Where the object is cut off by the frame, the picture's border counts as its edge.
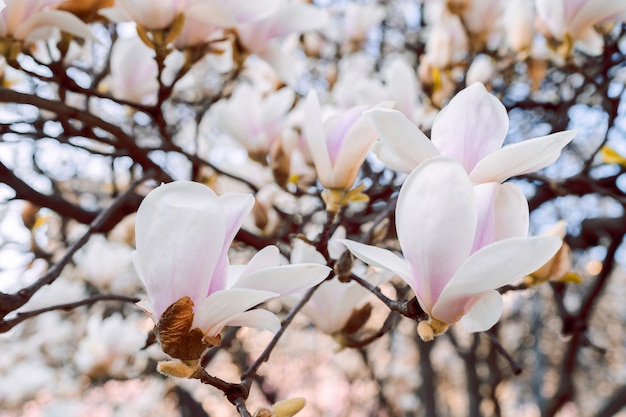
(214, 207)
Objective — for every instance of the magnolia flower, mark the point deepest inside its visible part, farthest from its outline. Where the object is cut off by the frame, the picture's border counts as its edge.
(133, 71)
(359, 18)
(183, 232)
(470, 129)
(253, 120)
(193, 21)
(30, 20)
(518, 27)
(257, 35)
(449, 262)
(572, 21)
(339, 144)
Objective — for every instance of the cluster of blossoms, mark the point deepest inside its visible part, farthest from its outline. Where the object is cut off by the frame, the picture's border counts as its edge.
(463, 233)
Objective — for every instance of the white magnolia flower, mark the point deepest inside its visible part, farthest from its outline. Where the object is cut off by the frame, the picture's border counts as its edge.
(572, 21)
(183, 233)
(30, 20)
(470, 129)
(459, 246)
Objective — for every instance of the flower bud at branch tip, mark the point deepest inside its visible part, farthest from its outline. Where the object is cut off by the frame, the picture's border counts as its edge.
(428, 330)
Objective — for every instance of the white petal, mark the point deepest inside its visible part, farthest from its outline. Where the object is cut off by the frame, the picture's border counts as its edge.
(471, 127)
(381, 258)
(491, 267)
(65, 21)
(257, 318)
(436, 222)
(315, 135)
(212, 14)
(511, 212)
(215, 310)
(398, 132)
(284, 279)
(178, 232)
(391, 158)
(520, 158)
(484, 314)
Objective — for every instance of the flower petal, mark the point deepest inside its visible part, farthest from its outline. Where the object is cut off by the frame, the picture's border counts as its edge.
(65, 21)
(520, 158)
(257, 318)
(484, 314)
(472, 126)
(491, 267)
(391, 158)
(315, 136)
(381, 258)
(218, 308)
(398, 132)
(511, 212)
(436, 221)
(178, 236)
(284, 279)
(236, 207)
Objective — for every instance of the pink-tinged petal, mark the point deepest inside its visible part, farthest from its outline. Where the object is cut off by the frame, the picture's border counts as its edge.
(337, 130)
(215, 310)
(484, 314)
(115, 14)
(521, 158)
(398, 132)
(178, 237)
(391, 158)
(288, 19)
(354, 149)
(236, 207)
(284, 279)
(212, 13)
(591, 13)
(402, 85)
(247, 10)
(486, 224)
(257, 318)
(436, 221)
(511, 212)
(472, 126)
(315, 136)
(65, 21)
(381, 258)
(491, 267)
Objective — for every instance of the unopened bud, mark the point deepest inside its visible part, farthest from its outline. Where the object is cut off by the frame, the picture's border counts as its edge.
(343, 266)
(285, 408)
(428, 330)
(176, 369)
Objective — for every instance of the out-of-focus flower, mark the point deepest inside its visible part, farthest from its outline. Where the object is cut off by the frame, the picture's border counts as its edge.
(471, 129)
(518, 25)
(30, 20)
(253, 120)
(360, 18)
(481, 71)
(559, 266)
(285, 408)
(452, 269)
(257, 35)
(447, 41)
(133, 71)
(108, 346)
(569, 22)
(338, 145)
(183, 233)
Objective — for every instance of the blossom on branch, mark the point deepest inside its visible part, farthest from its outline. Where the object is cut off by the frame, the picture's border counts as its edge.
(569, 22)
(338, 145)
(183, 232)
(470, 129)
(30, 20)
(459, 244)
